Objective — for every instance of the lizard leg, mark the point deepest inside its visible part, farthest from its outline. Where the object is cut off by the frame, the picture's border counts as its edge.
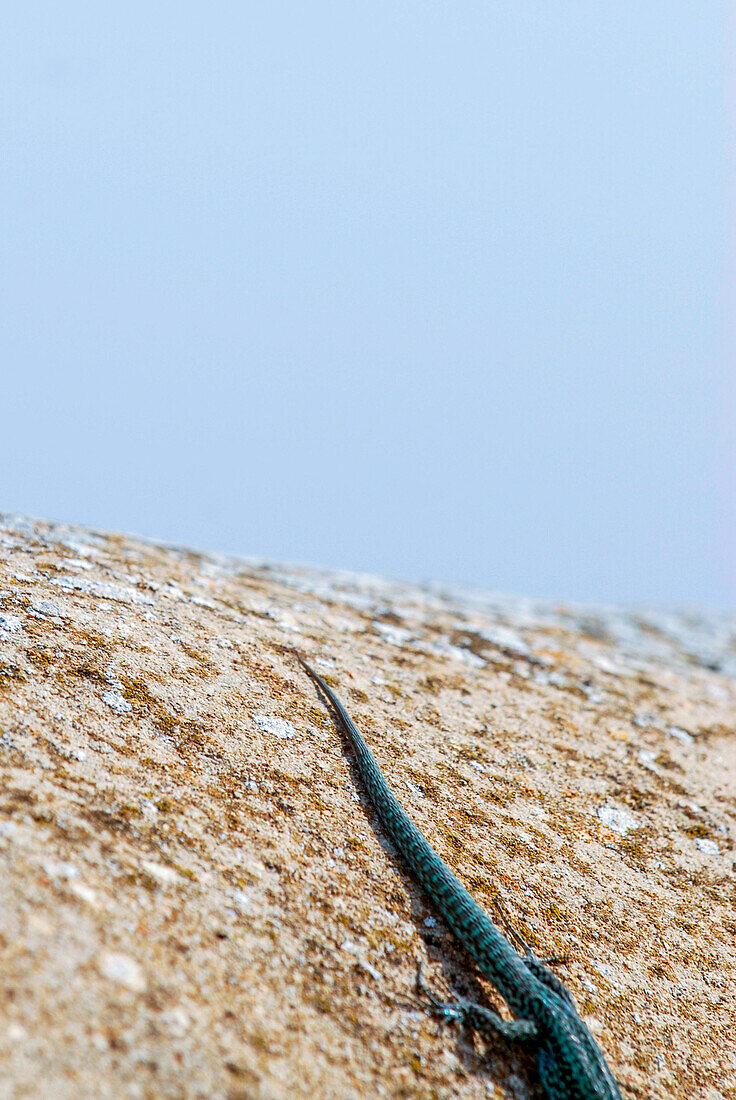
(477, 1017)
(536, 965)
(546, 977)
(519, 940)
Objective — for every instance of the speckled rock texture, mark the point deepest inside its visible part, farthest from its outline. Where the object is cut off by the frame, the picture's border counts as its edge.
(194, 901)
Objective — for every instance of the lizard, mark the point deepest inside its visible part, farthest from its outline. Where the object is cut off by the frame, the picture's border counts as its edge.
(544, 1015)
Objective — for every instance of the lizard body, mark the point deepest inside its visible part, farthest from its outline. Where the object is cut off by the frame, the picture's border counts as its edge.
(571, 1064)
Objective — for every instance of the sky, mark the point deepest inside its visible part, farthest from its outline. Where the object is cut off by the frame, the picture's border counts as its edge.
(428, 290)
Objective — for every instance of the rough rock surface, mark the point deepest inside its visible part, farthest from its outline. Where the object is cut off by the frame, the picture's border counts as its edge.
(194, 901)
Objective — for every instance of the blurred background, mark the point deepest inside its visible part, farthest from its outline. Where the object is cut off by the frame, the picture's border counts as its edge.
(427, 290)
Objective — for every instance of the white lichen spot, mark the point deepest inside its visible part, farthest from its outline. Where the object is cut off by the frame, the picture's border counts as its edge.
(277, 727)
(85, 893)
(681, 735)
(9, 624)
(603, 969)
(644, 720)
(103, 590)
(122, 970)
(371, 970)
(76, 563)
(707, 847)
(60, 869)
(613, 668)
(83, 549)
(465, 656)
(592, 693)
(620, 821)
(176, 1021)
(47, 608)
(505, 638)
(241, 899)
(324, 662)
(395, 635)
(173, 591)
(284, 620)
(345, 626)
(167, 876)
(116, 702)
(648, 759)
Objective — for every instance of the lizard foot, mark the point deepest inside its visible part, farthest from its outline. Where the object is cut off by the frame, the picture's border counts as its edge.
(477, 1017)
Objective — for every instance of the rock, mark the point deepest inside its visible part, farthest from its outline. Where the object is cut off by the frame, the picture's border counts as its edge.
(193, 899)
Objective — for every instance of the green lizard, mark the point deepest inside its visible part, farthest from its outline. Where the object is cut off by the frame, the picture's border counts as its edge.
(571, 1064)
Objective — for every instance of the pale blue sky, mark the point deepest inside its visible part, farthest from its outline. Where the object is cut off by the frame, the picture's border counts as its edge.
(426, 289)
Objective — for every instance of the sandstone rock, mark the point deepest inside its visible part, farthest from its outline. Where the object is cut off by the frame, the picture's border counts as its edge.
(194, 902)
